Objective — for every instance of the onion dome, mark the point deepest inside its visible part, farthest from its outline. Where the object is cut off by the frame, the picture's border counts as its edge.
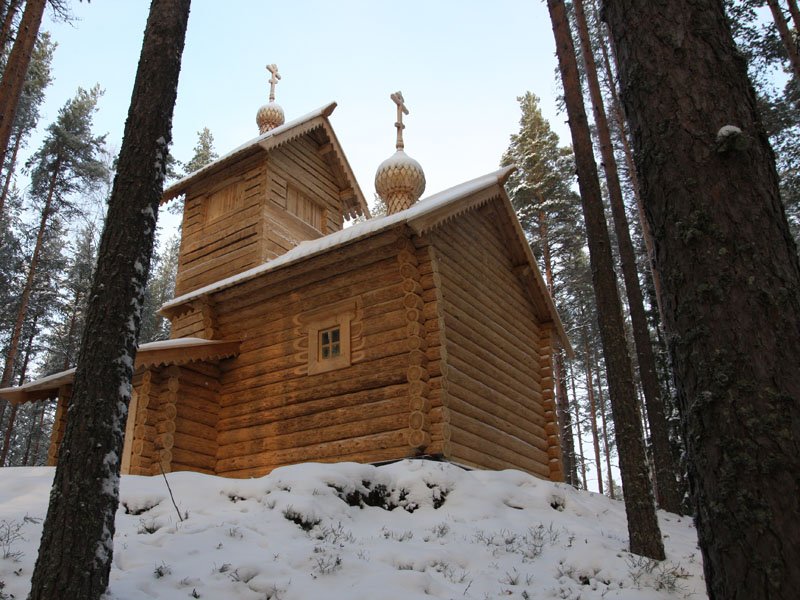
(270, 115)
(399, 179)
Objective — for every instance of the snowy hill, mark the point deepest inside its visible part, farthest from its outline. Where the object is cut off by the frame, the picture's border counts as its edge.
(410, 530)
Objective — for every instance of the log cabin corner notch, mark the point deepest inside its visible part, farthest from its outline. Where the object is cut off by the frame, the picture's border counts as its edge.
(428, 331)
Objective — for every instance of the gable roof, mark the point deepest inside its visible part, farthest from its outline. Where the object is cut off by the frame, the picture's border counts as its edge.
(179, 351)
(425, 215)
(353, 201)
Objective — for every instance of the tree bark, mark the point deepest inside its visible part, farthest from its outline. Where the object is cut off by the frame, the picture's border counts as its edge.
(10, 172)
(730, 286)
(668, 496)
(604, 431)
(77, 541)
(8, 22)
(645, 536)
(795, 12)
(17, 68)
(786, 36)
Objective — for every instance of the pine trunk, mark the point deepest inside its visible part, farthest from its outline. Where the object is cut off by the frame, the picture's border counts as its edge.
(606, 445)
(17, 68)
(593, 423)
(645, 536)
(77, 541)
(730, 286)
(668, 496)
(795, 12)
(10, 172)
(8, 22)
(786, 36)
(578, 426)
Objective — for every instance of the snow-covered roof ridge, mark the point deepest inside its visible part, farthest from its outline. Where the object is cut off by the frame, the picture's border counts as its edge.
(441, 201)
(177, 188)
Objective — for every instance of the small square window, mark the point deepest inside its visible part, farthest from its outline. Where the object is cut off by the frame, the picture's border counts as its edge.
(329, 337)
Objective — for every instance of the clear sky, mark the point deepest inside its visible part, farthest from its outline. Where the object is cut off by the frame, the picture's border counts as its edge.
(459, 63)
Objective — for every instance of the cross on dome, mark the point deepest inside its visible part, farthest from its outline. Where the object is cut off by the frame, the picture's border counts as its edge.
(397, 97)
(276, 77)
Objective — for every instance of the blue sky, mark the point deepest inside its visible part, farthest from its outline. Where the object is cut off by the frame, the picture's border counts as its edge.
(459, 63)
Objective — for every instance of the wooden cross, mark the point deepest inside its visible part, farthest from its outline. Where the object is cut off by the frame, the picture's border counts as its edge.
(273, 68)
(397, 97)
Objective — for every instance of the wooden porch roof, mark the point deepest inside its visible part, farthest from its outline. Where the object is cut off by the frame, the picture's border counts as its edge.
(168, 352)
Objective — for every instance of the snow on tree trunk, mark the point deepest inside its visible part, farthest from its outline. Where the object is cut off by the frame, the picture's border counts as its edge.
(730, 286)
(77, 541)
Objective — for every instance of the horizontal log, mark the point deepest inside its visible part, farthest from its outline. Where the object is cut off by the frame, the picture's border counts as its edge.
(344, 432)
(459, 380)
(499, 417)
(195, 429)
(366, 445)
(519, 457)
(288, 406)
(194, 444)
(477, 458)
(283, 424)
(534, 448)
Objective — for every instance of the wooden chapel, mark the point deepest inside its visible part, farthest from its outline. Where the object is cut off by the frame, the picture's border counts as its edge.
(426, 332)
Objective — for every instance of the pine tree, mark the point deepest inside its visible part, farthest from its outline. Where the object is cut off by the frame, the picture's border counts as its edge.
(27, 116)
(645, 536)
(160, 289)
(64, 164)
(76, 550)
(203, 152)
(730, 286)
(548, 210)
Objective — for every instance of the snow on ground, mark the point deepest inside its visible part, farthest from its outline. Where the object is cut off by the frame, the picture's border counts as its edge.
(410, 530)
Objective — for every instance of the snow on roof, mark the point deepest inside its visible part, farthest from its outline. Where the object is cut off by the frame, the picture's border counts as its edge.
(54, 381)
(179, 186)
(307, 249)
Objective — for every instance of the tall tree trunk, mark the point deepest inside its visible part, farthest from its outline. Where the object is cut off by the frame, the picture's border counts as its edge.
(604, 431)
(616, 109)
(795, 12)
(31, 433)
(645, 536)
(786, 36)
(593, 416)
(22, 311)
(562, 402)
(14, 407)
(77, 540)
(40, 433)
(668, 496)
(8, 22)
(730, 286)
(578, 426)
(565, 421)
(10, 172)
(17, 68)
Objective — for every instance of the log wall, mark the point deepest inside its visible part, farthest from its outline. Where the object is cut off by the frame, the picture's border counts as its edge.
(498, 367)
(272, 412)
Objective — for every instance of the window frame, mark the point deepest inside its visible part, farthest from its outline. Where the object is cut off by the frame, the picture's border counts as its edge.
(339, 315)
